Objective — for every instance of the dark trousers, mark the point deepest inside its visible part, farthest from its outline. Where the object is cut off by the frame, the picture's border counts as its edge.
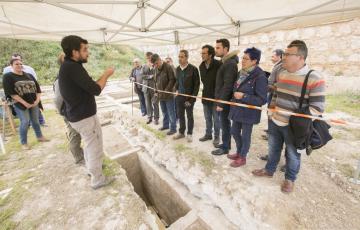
(225, 127)
(180, 109)
(242, 135)
(142, 101)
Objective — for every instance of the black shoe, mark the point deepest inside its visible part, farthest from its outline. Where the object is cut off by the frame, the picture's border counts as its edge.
(216, 141)
(283, 168)
(264, 157)
(170, 133)
(218, 146)
(219, 152)
(149, 121)
(163, 128)
(205, 138)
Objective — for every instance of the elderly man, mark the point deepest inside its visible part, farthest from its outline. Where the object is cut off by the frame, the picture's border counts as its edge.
(187, 82)
(165, 81)
(78, 90)
(152, 105)
(286, 98)
(137, 77)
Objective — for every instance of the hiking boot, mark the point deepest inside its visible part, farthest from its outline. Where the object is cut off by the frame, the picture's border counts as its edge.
(171, 133)
(219, 152)
(205, 138)
(178, 136)
(233, 156)
(216, 141)
(43, 139)
(149, 121)
(287, 186)
(189, 138)
(238, 162)
(163, 128)
(262, 173)
(107, 181)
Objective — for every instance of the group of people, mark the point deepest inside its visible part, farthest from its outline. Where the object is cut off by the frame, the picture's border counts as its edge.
(160, 85)
(223, 83)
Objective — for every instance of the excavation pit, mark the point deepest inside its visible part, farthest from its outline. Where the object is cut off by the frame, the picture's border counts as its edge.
(155, 187)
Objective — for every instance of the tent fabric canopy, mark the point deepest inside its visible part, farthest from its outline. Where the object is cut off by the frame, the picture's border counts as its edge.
(164, 22)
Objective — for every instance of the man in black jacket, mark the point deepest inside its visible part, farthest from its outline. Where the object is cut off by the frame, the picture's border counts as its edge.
(225, 79)
(208, 69)
(78, 90)
(187, 82)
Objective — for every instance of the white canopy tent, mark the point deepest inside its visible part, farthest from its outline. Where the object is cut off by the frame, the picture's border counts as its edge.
(164, 22)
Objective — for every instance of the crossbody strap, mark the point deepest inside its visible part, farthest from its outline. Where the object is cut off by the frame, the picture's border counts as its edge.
(303, 90)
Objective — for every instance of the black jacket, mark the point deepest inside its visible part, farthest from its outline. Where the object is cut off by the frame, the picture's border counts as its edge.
(191, 82)
(226, 77)
(78, 90)
(208, 78)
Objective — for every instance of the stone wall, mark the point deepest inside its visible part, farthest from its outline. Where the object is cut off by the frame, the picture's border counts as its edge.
(334, 49)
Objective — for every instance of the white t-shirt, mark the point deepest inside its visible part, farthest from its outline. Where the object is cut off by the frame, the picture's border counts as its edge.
(26, 69)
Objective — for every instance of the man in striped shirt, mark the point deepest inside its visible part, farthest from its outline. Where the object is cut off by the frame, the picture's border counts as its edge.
(286, 99)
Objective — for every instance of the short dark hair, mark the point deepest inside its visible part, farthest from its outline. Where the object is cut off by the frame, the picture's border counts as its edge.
(211, 50)
(301, 46)
(149, 54)
(278, 52)
(154, 58)
(225, 43)
(70, 43)
(13, 60)
(254, 54)
(185, 52)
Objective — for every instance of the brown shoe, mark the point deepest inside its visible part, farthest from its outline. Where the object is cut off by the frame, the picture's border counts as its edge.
(233, 156)
(43, 139)
(287, 186)
(262, 173)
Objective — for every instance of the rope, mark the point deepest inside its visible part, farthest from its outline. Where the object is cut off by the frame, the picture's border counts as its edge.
(335, 121)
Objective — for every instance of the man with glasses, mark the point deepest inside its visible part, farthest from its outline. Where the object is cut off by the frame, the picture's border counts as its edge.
(286, 99)
(208, 69)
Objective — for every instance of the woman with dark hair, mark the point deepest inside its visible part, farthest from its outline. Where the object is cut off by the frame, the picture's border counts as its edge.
(250, 89)
(24, 91)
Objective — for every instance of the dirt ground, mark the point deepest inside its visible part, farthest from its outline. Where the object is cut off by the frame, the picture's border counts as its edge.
(44, 189)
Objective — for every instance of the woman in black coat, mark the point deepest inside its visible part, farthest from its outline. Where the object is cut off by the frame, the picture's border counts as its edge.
(250, 89)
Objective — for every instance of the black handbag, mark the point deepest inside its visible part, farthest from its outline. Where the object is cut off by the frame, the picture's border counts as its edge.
(308, 134)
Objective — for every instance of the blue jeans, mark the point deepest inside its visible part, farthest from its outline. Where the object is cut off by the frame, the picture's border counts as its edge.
(242, 135)
(212, 120)
(25, 116)
(279, 135)
(142, 102)
(225, 127)
(168, 111)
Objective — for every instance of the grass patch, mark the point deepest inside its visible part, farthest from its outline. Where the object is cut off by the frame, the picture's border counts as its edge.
(348, 102)
(198, 157)
(158, 134)
(346, 169)
(109, 167)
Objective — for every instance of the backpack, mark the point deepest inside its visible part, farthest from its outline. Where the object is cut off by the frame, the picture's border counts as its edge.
(308, 134)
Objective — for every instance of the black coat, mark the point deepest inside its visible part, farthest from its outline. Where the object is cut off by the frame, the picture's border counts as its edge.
(226, 77)
(191, 81)
(208, 78)
(255, 89)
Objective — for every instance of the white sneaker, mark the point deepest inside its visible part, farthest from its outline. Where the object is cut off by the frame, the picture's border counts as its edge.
(189, 138)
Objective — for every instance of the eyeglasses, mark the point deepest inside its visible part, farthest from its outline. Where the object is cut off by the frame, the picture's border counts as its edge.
(289, 54)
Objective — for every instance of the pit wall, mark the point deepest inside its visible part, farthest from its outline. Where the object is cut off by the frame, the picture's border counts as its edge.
(334, 49)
